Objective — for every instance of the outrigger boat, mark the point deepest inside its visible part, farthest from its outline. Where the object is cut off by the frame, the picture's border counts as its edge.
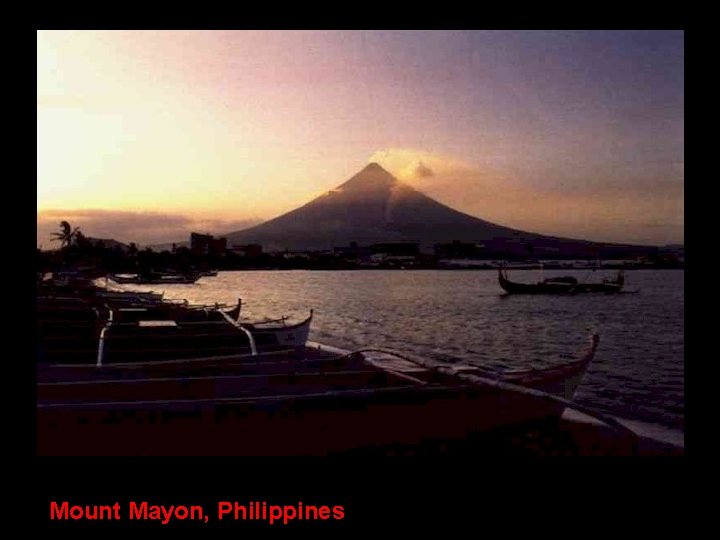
(78, 331)
(154, 278)
(560, 285)
(132, 335)
(298, 402)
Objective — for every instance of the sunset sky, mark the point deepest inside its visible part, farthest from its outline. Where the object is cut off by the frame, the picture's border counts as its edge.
(146, 135)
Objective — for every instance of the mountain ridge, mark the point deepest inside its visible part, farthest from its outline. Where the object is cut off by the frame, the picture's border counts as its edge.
(373, 206)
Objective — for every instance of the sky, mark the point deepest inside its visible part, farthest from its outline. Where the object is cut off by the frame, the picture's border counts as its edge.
(146, 135)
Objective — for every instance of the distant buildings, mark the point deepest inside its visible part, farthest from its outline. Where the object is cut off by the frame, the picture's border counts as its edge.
(247, 250)
(386, 253)
(352, 252)
(206, 244)
(296, 255)
(488, 254)
(395, 252)
(459, 250)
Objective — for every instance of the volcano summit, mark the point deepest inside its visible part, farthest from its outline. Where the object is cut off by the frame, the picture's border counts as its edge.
(373, 206)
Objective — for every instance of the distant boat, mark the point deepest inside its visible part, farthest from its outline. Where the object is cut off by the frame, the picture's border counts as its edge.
(560, 285)
(154, 278)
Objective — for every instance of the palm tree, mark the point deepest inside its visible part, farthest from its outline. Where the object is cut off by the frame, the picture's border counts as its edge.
(67, 234)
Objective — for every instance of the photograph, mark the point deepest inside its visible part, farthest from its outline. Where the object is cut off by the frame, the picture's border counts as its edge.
(357, 243)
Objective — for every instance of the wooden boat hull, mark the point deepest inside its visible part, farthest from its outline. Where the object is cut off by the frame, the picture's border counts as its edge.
(282, 335)
(308, 406)
(608, 288)
(549, 287)
(307, 425)
(167, 280)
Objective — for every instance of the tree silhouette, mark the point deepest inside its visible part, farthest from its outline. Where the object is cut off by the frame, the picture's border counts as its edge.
(67, 234)
(80, 241)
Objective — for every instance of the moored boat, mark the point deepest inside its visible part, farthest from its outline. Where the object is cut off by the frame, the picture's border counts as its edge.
(154, 278)
(79, 331)
(560, 285)
(278, 332)
(305, 402)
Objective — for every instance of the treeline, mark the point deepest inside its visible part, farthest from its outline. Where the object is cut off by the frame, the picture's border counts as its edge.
(76, 250)
(117, 260)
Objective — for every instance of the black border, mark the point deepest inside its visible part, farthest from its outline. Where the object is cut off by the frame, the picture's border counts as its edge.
(376, 494)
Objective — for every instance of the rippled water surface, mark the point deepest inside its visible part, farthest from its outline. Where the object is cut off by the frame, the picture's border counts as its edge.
(638, 372)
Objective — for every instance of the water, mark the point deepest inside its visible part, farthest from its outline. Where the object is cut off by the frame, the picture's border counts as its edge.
(638, 372)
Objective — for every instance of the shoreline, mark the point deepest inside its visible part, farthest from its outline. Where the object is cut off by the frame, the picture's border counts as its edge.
(452, 269)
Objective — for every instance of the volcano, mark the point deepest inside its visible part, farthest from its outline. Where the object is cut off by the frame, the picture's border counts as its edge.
(373, 207)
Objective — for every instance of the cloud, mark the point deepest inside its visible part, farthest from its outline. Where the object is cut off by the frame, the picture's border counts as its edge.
(408, 164)
(423, 171)
(143, 228)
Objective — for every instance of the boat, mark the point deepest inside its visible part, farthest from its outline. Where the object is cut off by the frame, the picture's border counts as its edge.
(129, 296)
(606, 286)
(278, 332)
(560, 285)
(309, 401)
(234, 312)
(154, 278)
(80, 331)
(147, 334)
(144, 335)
